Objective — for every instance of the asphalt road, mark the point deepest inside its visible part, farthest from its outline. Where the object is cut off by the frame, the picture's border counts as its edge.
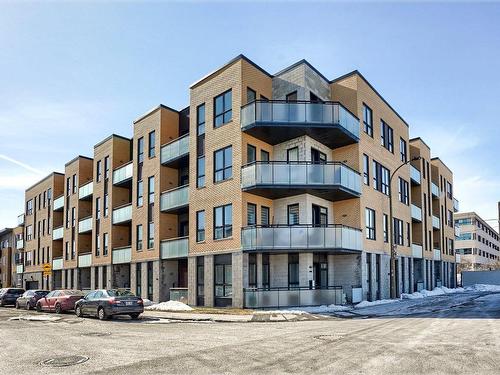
(456, 335)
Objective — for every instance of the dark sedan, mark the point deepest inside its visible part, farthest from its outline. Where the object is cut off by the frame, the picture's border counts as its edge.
(9, 296)
(29, 299)
(106, 303)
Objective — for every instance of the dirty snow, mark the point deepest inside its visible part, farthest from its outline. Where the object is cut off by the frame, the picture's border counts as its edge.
(147, 302)
(37, 318)
(483, 288)
(308, 310)
(374, 303)
(438, 291)
(169, 306)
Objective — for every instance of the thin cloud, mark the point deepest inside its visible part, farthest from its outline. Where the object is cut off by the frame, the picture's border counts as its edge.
(21, 164)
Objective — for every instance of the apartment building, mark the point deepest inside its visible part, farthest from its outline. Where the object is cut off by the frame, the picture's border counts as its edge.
(7, 244)
(268, 190)
(477, 243)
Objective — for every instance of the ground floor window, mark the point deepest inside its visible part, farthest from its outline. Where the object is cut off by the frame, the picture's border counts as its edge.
(265, 271)
(138, 273)
(252, 270)
(150, 281)
(293, 270)
(200, 281)
(223, 280)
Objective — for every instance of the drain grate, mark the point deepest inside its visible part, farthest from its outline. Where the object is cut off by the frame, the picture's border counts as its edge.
(96, 334)
(65, 361)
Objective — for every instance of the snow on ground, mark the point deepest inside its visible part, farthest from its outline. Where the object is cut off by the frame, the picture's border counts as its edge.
(37, 318)
(309, 310)
(438, 291)
(374, 303)
(169, 306)
(147, 302)
(483, 288)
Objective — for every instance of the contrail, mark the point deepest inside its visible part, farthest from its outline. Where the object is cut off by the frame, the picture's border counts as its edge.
(21, 164)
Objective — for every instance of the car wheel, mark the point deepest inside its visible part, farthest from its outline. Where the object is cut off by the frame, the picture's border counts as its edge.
(58, 308)
(101, 314)
(78, 311)
(17, 305)
(134, 316)
(38, 307)
(28, 306)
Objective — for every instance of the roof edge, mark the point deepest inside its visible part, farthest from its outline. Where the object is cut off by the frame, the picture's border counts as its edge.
(109, 137)
(153, 110)
(442, 162)
(43, 179)
(76, 158)
(305, 62)
(419, 139)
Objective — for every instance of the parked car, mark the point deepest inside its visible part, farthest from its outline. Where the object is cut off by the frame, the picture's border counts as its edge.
(59, 300)
(8, 296)
(107, 303)
(29, 299)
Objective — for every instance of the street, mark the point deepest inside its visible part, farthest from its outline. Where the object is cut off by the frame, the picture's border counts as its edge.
(450, 334)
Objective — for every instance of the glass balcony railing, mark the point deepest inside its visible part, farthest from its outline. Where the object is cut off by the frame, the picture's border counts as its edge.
(85, 225)
(123, 173)
(57, 264)
(437, 254)
(274, 174)
(59, 203)
(57, 233)
(283, 237)
(435, 222)
(434, 189)
(174, 248)
(457, 230)
(20, 219)
(122, 214)
(175, 198)
(85, 260)
(299, 113)
(456, 205)
(86, 190)
(175, 149)
(19, 268)
(122, 255)
(416, 212)
(416, 250)
(19, 244)
(415, 174)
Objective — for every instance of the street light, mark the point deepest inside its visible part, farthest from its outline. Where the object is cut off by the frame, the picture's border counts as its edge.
(391, 231)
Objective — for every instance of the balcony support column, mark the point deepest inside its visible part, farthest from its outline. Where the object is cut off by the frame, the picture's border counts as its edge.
(76, 278)
(133, 277)
(144, 280)
(92, 278)
(109, 277)
(209, 280)
(192, 280)
(306, 276)
(156, 280)
(63, 279)
(238, 274)
(259, 270)
(411, 276)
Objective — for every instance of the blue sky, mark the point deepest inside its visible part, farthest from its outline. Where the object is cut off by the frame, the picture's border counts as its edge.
(73, 73)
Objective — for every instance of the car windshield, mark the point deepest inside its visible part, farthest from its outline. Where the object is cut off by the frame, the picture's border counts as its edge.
(120, 293)
(73, 293)
(41, 293)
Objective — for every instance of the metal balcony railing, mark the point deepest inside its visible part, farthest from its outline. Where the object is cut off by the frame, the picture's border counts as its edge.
(434, 189)
(85, 225)
(57, 264)
(85, 260)
(436, 222)
(293, 296)
(57, 233)
(416, 250)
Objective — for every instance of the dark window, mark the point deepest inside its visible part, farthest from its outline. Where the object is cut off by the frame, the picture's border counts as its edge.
(138, 277)
(317, 156)
(293, 214)
(380, 178)
(368, 120)
(200, 146)
(105, 244)
(319, 215)
(139, 193)
(223, 221)
(251, 154)
(292, 97)
(251, 214)
(252, 270)
(140, 150)
(264, 155)
(402, 150)
(151, 139)
(370, 223)
(138, 240)
(223, 109)
(74, 186)
(200, 280)
(366, 170)
(293, 270)
(292, 154)
(403, 191)
(251, 95)
(68, 186)
(386, 224)
(99, 171)
(398, 232)
(106, 167)
(264, 215)
(200, 226)
(200, 170)
(386, 136)
(151, 235)
(223, 164)
(223, 278)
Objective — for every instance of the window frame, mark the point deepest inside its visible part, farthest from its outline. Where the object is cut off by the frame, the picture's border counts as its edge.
(370, 224)
(225, 110)
(226, 229)
(226, 170)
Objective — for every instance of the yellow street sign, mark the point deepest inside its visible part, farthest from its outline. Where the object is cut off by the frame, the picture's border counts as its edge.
(47, 267)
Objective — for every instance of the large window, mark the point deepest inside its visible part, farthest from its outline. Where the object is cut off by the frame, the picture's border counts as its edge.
(251, 95)
(403, 150)
(264, 215)
(223, 221)
(29, 207)
(251, 214)
(370, 224)
(75, 188)
(105, 244)
(151, 235)
(293, 214)
(151, 146)
(99, 171)
(223, 164)
(140, 150)
(251, 154)
(200, 226)
(293, 270)
(200, 145)
(403, 191)
(366, 170)
(386, 136)
(139, 193)
(223, 280)
(380, 178)
(223, 109)
(200, 178)
(106, 167)
(138, 237)
(368, 120)
(398, 232)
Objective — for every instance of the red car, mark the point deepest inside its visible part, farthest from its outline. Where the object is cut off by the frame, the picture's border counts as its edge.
(59, 300)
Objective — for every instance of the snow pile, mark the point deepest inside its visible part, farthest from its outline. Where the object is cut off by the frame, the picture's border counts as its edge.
(483, 288)
(374, 303)
(146, 302)
(438, 291)
(169, 306)
(308, 310)
(37, 318)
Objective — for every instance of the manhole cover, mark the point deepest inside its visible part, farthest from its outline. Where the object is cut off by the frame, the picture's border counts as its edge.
(70, 360)
(96, 334)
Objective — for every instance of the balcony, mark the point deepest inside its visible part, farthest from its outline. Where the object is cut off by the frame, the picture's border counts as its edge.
(174, 248)
(301, 237)
(457, 230)
(85, 225)
(175, 200)
(122, 176)
(57, 233)
(123, 214)
(57, 264)
(172, 153)
(85, 192)
(437, 254)
(19, 268)
(416, 213)
(456, 205)
(415, 175)
(434, 190)
(279, 121)
(59, 203)
(20, 244)
(122, 255)
(278, 179)
(436, 224)
(416, 251)
(20, 219)
(85, 260)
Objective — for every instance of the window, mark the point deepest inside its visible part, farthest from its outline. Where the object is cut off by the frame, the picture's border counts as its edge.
(200, 281)
(386, 136)
(251, 154)
(368, 120)
(29, 207)
(264, 155)
(251, 214)
(408, 234)
(450, 219)
(223, 164)
(138, 277)
(319, 216)
(293, 214)
(66, 250)
(292, 154)
(106, 205)
(398, 232)
(264, 215)
(223, 279)
(74, 184)
(140, 150)
(292, 97)
(151, 141)
(151, 235)
(223, 223)
(366, 170)
(106, 167)
(139, 193)
(223, 109)
(99, 171)
(105, 244)
(403, 191)
(44, 199)
(200, 145)
(370, 223)
(73, 217)
(251, 95)
(151, 189)
(293, 270)
(386, 224)
(68, 186)
(98, 208)
(402, 150)
(97, 242)
(449, 190)
(200, 226)
(380, 178)
(138, 238)
(200, 178)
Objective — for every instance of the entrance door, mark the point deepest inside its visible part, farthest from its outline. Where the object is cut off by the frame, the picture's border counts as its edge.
(319, 216)
(320, 269)
(31, 285)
